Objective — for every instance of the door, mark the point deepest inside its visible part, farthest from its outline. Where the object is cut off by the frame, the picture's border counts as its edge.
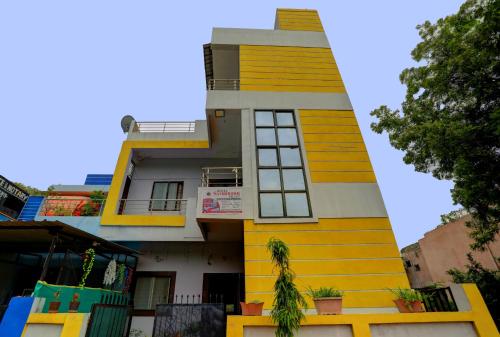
(226, 288)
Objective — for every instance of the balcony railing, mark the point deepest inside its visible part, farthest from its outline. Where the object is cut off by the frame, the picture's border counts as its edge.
(69, 206)
(221, 177)
(223, 84)
(162, 127)
(152, 207)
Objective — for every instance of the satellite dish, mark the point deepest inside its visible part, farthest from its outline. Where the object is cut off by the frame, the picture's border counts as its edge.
(126, 122)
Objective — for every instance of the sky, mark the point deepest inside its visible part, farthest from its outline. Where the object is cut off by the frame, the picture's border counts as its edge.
(69, 71)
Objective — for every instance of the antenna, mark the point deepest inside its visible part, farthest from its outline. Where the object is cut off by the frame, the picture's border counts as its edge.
(126, 122)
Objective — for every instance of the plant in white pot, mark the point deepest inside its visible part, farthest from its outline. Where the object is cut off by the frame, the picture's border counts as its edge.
(327, 300)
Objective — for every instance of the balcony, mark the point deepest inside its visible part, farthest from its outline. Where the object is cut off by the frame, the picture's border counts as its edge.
(220, 194)
(152, 207)
(80, 212)
(223, 84)
(221, 177)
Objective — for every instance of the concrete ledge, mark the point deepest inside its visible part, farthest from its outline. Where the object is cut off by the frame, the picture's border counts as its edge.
(269, 37)
(234, 99)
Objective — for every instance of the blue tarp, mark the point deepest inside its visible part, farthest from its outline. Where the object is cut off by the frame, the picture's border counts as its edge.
(15, 316)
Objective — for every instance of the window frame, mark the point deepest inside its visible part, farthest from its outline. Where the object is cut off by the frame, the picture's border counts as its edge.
(171, 289)
(279, 166)
(179, 194)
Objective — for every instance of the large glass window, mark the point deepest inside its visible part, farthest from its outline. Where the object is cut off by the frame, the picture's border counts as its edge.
(153, 288)
(282, 184)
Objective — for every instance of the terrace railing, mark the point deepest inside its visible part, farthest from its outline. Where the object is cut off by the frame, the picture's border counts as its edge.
(71, 206)
(223, 84)
(153, 206)
(221, 177)
(163, 127)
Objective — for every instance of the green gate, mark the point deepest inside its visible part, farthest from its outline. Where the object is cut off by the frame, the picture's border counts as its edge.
(109, 320)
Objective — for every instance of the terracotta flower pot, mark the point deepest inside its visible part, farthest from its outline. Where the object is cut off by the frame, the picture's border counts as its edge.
(54, 307)
(73, 306)
(407, 307)
(251, 309)
(328, 305)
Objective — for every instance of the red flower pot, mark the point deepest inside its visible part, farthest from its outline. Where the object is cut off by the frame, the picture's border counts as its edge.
(328, 305)
(251, 309)
(407, 307)
(54, 307)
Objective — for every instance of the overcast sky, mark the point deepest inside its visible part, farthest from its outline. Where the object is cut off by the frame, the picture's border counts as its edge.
(70, 70)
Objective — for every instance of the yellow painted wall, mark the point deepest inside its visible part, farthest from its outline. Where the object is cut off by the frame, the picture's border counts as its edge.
(72, 323)
(359, 256)
(294, 69)
(334, 147)
(298, 19)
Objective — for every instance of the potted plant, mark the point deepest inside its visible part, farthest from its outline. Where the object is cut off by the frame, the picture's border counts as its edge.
(408, 300)
(75, 303)
(55, 304)
(286, 312)
(253, 308)
(327, 300)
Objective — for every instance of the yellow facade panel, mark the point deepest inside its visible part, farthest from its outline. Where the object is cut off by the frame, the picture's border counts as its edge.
(353, 282)
(329, 267)
(325, 113)
(356, 166)
(332, 128)
(306, 20)
(312, 147)
(333, 137)
(350, 121)
(321, 252)
(337, 155)
(343, 177)
(266, 68)
(322, 225)
(322, 237)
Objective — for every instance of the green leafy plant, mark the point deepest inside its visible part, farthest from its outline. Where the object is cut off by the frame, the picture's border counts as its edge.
(408, 295)
(286, 312)
(88, 263)
(256, 302)
(323, 292)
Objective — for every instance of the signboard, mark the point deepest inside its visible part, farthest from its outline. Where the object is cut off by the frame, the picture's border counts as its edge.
(12, 198)
(221, 200)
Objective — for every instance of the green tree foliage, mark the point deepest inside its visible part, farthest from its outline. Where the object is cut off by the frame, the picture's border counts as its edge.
(33, 190)
(488, 282)
(450, 119)
(286, 312)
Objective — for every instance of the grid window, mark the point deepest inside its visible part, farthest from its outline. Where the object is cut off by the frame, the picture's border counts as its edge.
(282, 184)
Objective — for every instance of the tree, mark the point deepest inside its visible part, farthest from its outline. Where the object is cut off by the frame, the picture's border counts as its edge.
(488, 282)
(449, 123)
(286, 312)
(33, 190)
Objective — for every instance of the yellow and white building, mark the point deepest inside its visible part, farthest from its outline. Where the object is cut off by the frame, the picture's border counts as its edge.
(280, 154)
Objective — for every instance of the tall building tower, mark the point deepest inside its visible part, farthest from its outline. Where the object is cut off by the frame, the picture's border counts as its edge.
(280, 155)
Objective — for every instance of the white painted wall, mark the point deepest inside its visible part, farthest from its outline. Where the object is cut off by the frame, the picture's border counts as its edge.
(457, 329)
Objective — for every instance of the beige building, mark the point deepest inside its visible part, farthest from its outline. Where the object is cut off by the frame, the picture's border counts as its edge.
(443, 248)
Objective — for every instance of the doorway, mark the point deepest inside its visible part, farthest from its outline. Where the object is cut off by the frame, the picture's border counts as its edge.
(226, 288)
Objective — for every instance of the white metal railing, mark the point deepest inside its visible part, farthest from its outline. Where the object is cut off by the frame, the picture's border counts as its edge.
(147, 127)
(221, 176)
(71, 206)
(152, 206)
(223, 84)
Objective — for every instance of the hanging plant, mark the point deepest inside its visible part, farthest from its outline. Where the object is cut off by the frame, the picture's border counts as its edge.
(88, 263)
(121, 273)
(286, 312)
(110, 273)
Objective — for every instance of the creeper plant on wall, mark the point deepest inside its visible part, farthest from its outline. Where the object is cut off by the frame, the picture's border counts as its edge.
(88, 263)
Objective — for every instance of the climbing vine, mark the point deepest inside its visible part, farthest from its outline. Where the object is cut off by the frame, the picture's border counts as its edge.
(88, 263)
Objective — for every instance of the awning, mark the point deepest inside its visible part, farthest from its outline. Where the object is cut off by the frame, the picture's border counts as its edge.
(37, 236)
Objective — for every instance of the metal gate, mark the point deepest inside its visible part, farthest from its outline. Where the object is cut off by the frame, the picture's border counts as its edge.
(108, 320)
(190, 320)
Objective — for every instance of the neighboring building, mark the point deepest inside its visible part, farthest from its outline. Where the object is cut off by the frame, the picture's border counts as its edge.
(12, 199)
(444, 248)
